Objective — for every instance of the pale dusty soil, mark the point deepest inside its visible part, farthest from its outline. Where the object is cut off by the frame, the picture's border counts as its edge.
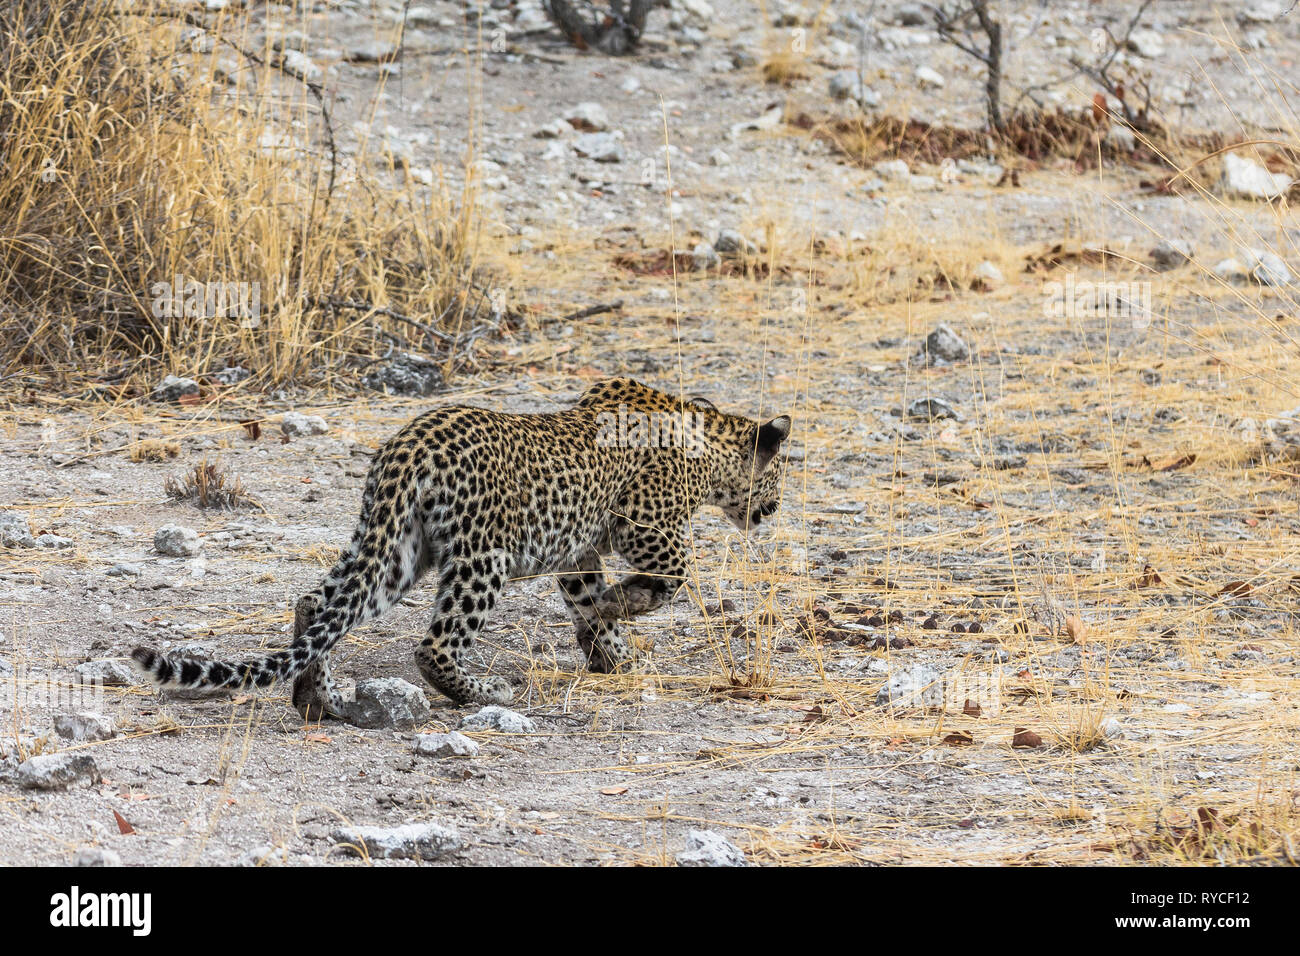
(799, 765)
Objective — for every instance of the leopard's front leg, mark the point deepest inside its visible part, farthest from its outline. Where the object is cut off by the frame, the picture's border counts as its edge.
(582, 586)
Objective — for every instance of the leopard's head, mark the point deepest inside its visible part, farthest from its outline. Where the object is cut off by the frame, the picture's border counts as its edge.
(750, 489)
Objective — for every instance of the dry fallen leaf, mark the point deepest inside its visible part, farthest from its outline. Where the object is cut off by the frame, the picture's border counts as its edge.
(123, 827)
(971, 709)
(1076, 629)
(1026, 738)
(958, 739)
(614, 791)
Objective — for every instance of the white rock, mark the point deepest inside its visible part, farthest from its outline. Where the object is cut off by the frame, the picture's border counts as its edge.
(14, 532)
(1121, 137)
(553, 130)
(706, 848)
(601, 147)
(732, 243)
(1146, 43)
(918, 686)
(848, 85)
(414, 841)
(110, 673)
(1261, 266)
(295, 424)
(177, 541)
(1231, 270)
(630, 84)
(719, 158)
(893, 170)
(1172, 254)
(989, 272)
(588, 118)
(493, 717)
(56, 771)
(95, 856)
(928, 79)
(84, 725)
(445, 745)
(383, 702)
(944, 345)
(1248, 179)
(704, 257)
(299, 64)
(173, 388)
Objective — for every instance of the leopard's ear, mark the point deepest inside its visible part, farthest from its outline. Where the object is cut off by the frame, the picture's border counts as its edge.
(769, 438)
(701, 402)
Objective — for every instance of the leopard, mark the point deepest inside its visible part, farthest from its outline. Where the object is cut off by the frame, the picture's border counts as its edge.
(475, 498)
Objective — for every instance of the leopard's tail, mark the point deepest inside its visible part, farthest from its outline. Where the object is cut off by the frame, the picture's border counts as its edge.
(356, 590)
(169, 670)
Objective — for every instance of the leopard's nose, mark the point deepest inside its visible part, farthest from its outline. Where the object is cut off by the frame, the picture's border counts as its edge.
(756, 517)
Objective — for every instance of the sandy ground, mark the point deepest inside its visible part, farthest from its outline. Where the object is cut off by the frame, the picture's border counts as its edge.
(1100, 507)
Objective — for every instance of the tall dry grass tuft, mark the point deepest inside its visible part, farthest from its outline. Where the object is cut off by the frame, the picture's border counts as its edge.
(141, 145)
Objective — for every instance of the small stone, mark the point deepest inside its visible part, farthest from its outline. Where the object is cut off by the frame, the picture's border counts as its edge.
(944, 345)
(988, 275)
(299, 64)
(84, 725)
(1261, 266)
(706, 848)
(387, 702)
(630, 84)
(919, 686)
(587, 118)
(493, 717)
(54, 541)
(1171, 254)
(848, 85)
(107, 672)
(124, 570)
(453, 744)
(1231, 270)
(705, 257)
(1247, 179)
(14, 532)
(893, 170)
(56, 771)
(177, 541)
(295, 425)
(553, 130)
(719, 157)
(600, 147)
(1122, 138)
(731, 243)
(95, 856)
(1111, 729)
(172, 389)
(406, 374)
(231, 375)
(414, 841)
(1146, 43)
(264, 855)
(931, 410)
(928, 78)
(372, 51)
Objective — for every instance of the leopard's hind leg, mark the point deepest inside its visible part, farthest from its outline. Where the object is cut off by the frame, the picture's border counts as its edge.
(314, 695)
(468, 589)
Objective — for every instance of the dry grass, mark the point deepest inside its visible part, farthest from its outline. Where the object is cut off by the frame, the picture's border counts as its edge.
(137, 149)
(209, 485)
